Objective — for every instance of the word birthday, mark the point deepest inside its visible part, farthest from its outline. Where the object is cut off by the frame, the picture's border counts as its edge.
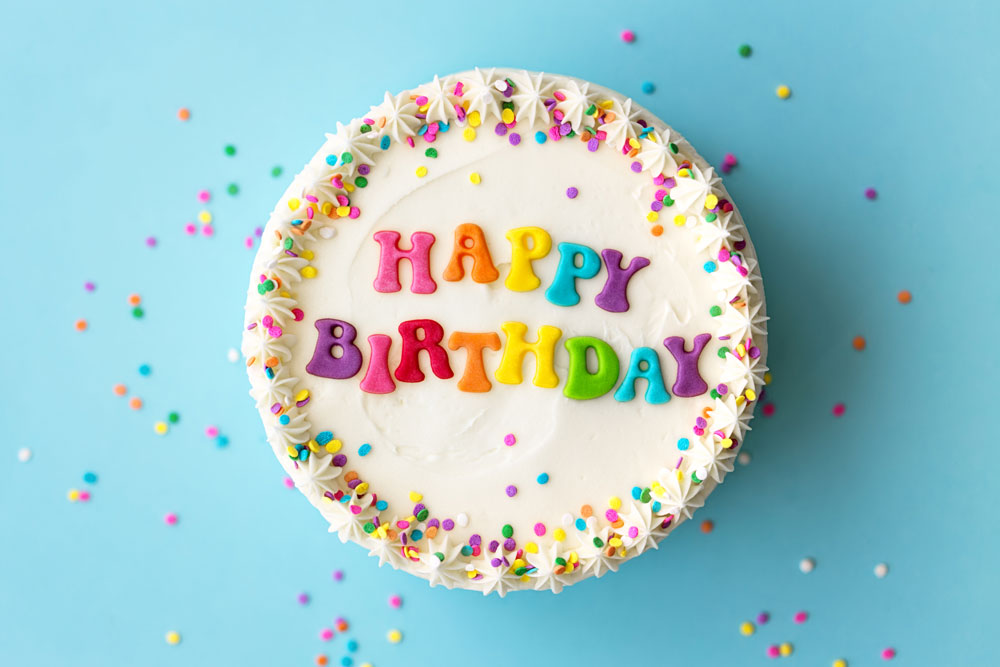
(337, 356)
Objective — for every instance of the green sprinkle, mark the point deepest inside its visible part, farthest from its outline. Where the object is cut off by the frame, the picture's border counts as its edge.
(598, 542)
(369, 527)
(715, 311)
(440, 556)
(347, 158)
(361, 181)
(233, 189)
(520, 571)
(422, 514)
(230, 150)
(714, 393)
(667, 201)
(723, 351)
(507, 530)
(711, 217)
(173, 418)
(645, 495)
(287, 243)
(745, 50)
(560, 561)
(276, 171)
(365, 128)
(590, 110)
(431, 152)
(673, 147)
(138, 312)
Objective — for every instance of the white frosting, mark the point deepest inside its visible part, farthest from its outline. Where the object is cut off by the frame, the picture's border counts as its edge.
(448, 445)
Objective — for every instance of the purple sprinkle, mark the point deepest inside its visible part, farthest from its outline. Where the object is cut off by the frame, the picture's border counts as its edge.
(364, 169)
(754, 352)
(514, 138)
(418, 507)
(340, 460)
(550, 104)
(511, 491)
(565, 129)
(740, 245)
(448, 524)
(592, 144)
(496, 562)
(500, 129)
(433, 523)
(700, 421)
(722, 389)
(871, 193)
(353, 483)
(493, 546)
(151, 241)
(656, 206)
(637, 166)
(89, 286)
(509, 544)
(338, 575)
(572, 192)
(475, 540)
(670, 183)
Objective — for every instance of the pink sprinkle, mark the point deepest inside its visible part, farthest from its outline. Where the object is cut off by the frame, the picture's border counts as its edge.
(871, 193)
(207, 230)
(170, 519)
(395, 601)
(303, 598)
(338, 575)
(84, 496)
(248, 242)
(539, 529)
(509, 440)
(773, 651)
(211, 431)
(888, 653)
(89, 286)
(838, 409)
(151, 241)
(190, 229)
(289, 483)
(204, 196)
(326, 634)
(800, 617)
(768, 409)
(763, 617)
(628, 36)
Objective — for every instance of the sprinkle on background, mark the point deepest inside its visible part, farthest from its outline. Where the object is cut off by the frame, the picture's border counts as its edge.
(394, 636)
(628, 36)
(904, 297)
(881, 570)
(807, 565)
(170, 518)
(173, 638)
(745, 50)
(871, 193)
(648, 87)
(24, 455)
(783, 92)
(395, 601)
(839, 409)
(184, 114)
(859, 343)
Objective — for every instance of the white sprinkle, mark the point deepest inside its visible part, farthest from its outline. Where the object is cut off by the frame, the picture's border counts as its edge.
(806, 565)
(743, 458)
(881, 570)
(24, 455)
(233, 355)
(567, 519)
(462, 519)
(500, 85)
(327, 232)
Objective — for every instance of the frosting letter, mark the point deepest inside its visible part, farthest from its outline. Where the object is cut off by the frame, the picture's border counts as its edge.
(323, 362)
(474, 378)
(419, 256)
(409, 360)
(656, 392)
(562, 291)
(613, 297)
(689, 382)
(470, 242)
(581, 384)
(544, 350)
(377, 379)
(521, 277)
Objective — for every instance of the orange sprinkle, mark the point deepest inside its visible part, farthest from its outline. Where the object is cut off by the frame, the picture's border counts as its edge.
(391, 534)
(586, 511)
(135, 403)
(707, 526)
(904, 296)
(618, 523)
(608, 117)
(858, 343)
(322, 660)
(251, 361)
(431, 532)
(381, 121)
(119, 389)
(271, 362)
(586, 135)
(134, 299)
(184, 114)
(633, 152)
(351, 476)
(81, 325)
(656, 230)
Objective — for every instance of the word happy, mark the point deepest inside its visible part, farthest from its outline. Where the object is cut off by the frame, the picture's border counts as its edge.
(337, 355)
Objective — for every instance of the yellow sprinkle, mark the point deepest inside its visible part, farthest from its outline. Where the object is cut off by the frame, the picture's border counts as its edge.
(421, 172)
(559, 534)
(366, 664)
(292, 451)
(615, 503)
(343, 211)
(349, 187)
(469, 134)
(471, 574)
(475, 178)
(293, 203)
(424, 108)
(784, 92)
(711, 201)
(615, 542)
(767, 378)
(747, 628)
(361, 489)
(160, 427)
(652, 216)
(840, 663)
(327, 207)
(173, 638)
(684, 173)
(531, 548)
(726, 443)
(679, 220)
(302, 395)
(785, 649)
(740, 400)
(73, 495)
(313, 446)
(334, 446)
(605, 104)
(751, 395)
(574, 557)
(507, 116)
(633, 143)
(518, 562)
(204, 217)
(415, 497)
(307, 254)
(474, 119)
(308, 271)
(570, 567)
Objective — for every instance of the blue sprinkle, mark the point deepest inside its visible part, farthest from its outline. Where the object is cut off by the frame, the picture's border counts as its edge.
(683, 444)
(381, 505)
(648, 87)
(269, 373)
(344, 499)
(417, 535)
(443, 127)
(221, 440)
(364, 449)
(347, 661)
(352, 645)
(324, 437)
(656, 506)
(304, 455)
(466, 550)
(636, 492)
(89, 477)
(145, 369)
(540, 137)
(385, 142)
(284, 419)
(581, 524)
(710, 267)
(331, 160)
(543, 478)
(422, 131)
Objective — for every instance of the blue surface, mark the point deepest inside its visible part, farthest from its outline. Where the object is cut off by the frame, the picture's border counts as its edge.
(900, 96)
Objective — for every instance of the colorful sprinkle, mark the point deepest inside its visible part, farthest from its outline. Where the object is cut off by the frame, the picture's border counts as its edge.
(572, 192)
(807, 565)
(80, 325)
(745, 50)
(763, 617)
(184, 114)
(509, 440)
(707, 526)
(648, 87)
(786, 649)
(888, 653)
(170, 518)
(302, 598)
(839, 409)
(173, 638)
(395, 601)
(871, 193)
(783, 92)
(394, 636)
(230, 150)
(904, 297)
(543, 478)
(628, 36)
(475, 178)
(881, 570)
(511, 490)
(747, 628)
(773, 651)
(800, 617)
(858, 343)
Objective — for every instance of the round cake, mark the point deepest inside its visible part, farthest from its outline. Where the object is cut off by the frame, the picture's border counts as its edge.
(506, 330)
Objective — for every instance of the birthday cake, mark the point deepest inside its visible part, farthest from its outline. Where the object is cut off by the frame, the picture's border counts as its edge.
(505, 330)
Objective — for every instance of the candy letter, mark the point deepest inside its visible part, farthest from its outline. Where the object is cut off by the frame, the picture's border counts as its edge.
(470, 242)
(544, 350)
(409, 359)
(324, 363)
(474, 378)
(419, 256)
(581, 384)
(377, 379)
(521, 277)
(689, 382)
(562, 291)
(613, 297)
(656, 392)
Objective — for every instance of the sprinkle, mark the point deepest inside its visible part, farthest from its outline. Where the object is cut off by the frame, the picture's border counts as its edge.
(475, 178)
(151, 241)
(747, 628)
(161, 428)
(90, 477)
(858, 343)
(743, 458)
(800, 617)
(173, 638)
(628, 36)
(509, 440)
(540, 137)
(648, 87)
(364, 449)
(89, 286)
(904, 297)
(80, 325)
(784, 92)
(326, 634)
(144, 369)
(763, 617)
(773, 651)
(838, 410)
(394, 636)
(276, 171)
(462, 519)
(469, 134)
(303, 598)
(230, 150)
(572, 192)
(744, 50)
(211, 431)
(421, 171)
(135, 403)
(540, 529)
(683, 444)
(785, 649)
(204, 196)
(839, 662)
(768, 410)
(511, 490)
(888, 653)
(184, 114)
(871, 193)
(233, 189)
(807, 565)
(395, 601)
(338, 575)
(170, 518)
(543, 478)
(415, 497)
(707, 526)
(881, 570)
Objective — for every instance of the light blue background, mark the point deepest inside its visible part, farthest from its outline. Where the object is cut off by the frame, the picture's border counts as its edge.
(900, 95)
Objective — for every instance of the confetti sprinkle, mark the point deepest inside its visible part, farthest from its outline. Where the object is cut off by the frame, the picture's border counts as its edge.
(89, 286)
(707, 526)
(728, 162)
(302, 598)
(648, 87)
(184, 114)
(395, 601)
(170, 518)
(871, 193)
(881, 570)
(144, 369)
(289, 483)
(173, 638)
(783, 92)
(773, 651)
(80, 325)
(858, 343)
(747, 628)
(161, 428)
(24, 455)
(119, 390)
(511, 490)
(338, 575)
(543, 478)
(233, 189)
(572, 192)
(807, 565)
(151, 241)
(90, 477)
(745, 50)
(230, 150)
(888, 653)
(135, 403)
(326, 634)
(839, 409)
(763, 617)
(394, 636)
(904, 297)
(785, 649)
(800, 617)
(628, 36)
(509, 440)
(276, 171)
